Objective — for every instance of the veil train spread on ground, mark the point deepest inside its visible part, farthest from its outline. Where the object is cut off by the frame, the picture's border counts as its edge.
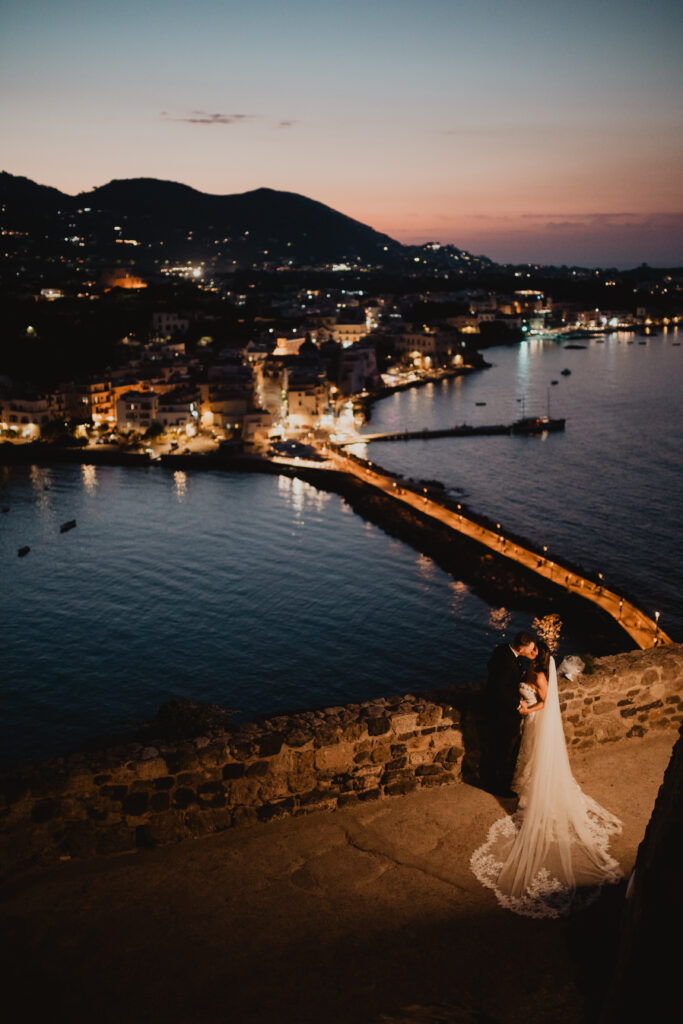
(552, 854)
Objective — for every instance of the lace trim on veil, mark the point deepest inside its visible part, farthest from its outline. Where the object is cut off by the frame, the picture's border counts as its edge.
(551, 856)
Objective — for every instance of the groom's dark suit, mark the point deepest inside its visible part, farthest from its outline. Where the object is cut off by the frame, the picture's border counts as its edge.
(503, 721)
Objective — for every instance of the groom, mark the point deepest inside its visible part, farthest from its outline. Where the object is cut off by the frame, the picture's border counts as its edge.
(501, 703)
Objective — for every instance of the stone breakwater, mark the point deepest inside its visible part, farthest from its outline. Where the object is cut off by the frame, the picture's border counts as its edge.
(166, 789)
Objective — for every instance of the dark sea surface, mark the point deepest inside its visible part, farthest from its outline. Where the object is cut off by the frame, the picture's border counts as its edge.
(262, 593)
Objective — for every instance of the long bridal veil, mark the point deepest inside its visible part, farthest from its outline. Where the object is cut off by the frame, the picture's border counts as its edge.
(552, 854)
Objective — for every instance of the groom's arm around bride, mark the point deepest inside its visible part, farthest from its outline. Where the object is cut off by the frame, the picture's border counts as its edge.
(501, 713)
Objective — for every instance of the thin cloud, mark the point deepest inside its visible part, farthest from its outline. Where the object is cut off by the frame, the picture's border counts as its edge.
(203, 117)
(602, 220)
(287, 124)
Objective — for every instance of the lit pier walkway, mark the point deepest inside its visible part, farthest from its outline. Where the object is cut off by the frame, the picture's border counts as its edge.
(540, 425)
(642, 629)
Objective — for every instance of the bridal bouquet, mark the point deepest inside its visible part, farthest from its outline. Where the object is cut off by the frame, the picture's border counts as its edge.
(571, 667)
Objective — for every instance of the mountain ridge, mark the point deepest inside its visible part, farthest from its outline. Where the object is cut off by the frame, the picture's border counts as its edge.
(259, 227)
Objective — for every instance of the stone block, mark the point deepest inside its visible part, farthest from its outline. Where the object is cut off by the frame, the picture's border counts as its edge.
(270, 744)
(136, 804)
(378, 725)
(401, 775)
(278, 809)
(211, 794)
(297, 738)
(317, 800)
(234, 770)
(402, 722)
(274, 787)
(652, 704)
(369, 794)
(334, 758)
(381, 753)
(401, 788)
(184, 797)
(353, 731)
(603, 708)
(160, 801)
(243, 792)
(417, 757)
(116, 793)
(430, 715)
(244, 815)
(436, 780)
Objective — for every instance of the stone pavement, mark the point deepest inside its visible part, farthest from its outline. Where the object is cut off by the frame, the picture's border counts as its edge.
(368, 915)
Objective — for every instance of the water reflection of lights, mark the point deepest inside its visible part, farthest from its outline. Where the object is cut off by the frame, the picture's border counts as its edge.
(41, 481)
(41, 478)
(90, 482)
(499, 619)
(302, 495)
(425, 566)
(180, 484)
(459, 592)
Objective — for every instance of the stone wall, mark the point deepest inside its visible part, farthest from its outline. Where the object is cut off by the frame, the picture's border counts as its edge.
(626, 696)
(164, 789)
(646, 980)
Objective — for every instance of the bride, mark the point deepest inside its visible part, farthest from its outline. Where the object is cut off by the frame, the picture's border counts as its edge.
(551, 856)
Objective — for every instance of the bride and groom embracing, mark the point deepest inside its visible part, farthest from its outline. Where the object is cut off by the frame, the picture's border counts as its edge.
(551, 855)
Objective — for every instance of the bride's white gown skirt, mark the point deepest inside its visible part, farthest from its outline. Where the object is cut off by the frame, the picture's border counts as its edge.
(552, 855)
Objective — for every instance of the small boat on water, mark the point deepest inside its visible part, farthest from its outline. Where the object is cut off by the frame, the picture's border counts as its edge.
(480, 403)
(565, 372)
(574, 346)
(537, 425)
(65, 527)
(23, 551)
(554, 382)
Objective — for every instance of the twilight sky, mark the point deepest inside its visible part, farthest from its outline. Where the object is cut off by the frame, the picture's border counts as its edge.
(527, 130)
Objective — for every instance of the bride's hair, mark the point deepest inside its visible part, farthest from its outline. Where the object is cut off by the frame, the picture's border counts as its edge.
(541, 662)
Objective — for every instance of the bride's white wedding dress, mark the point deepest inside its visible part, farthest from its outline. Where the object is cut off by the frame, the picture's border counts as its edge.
(551, 856)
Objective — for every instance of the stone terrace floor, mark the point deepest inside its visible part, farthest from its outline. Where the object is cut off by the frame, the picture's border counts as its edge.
(362, 916)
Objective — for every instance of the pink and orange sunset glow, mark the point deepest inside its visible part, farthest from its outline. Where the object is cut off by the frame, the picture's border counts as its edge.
(529, 131)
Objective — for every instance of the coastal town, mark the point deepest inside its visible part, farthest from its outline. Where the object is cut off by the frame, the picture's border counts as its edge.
(288, 363)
